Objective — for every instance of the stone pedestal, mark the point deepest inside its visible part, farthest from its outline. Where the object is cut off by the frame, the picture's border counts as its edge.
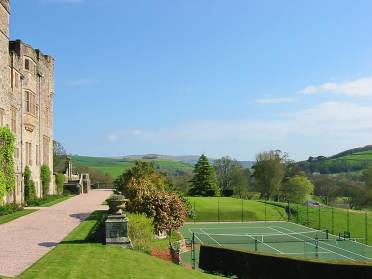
(116, 227)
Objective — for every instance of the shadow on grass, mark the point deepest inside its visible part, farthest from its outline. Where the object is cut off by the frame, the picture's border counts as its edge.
(96, 233)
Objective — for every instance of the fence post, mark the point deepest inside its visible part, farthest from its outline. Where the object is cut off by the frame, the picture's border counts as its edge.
(297, 215)
(319, 217)
(366, 226)
(289, 212)
(218, 210)
(194, 212)
(265, 210)
(242, 212)
(347, 221)
(193, 250)
(333, 221)
(307, 214)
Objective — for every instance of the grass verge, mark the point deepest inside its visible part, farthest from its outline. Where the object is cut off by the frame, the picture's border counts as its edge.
(10, 217)
(82, 256)
(50, 200)
(208, 209)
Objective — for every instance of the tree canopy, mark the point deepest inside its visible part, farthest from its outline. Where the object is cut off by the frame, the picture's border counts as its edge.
(204, 181)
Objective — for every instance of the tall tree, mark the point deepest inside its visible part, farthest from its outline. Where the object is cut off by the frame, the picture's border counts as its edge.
(204, 182)
(225, 170)
(269, 172)
(240, 181)
(59, 157)
(297, 189)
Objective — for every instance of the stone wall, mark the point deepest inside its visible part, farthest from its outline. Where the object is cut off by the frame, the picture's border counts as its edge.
(26, 96)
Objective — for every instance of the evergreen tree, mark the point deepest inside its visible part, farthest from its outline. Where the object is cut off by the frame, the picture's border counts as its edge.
(204, 182)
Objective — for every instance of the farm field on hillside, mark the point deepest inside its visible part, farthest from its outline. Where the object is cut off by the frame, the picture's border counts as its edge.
(116, 167)
(233, 209)
(362, 156)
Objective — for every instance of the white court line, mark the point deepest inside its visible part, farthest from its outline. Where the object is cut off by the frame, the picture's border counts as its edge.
(229, 228)
(313, 244)
(348, 251)
(210, 237)
(271, 247)
(303, 253)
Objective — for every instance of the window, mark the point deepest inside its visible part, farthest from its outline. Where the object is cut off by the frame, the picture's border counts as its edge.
(46, 142)
(14, 120)
(27, 64)
(30, 103)
(28, 153)
(2, 115)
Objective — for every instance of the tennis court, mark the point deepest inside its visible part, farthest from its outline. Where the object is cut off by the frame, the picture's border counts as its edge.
(282, 238)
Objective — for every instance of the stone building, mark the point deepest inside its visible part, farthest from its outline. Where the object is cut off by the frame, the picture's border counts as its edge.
(26, 105)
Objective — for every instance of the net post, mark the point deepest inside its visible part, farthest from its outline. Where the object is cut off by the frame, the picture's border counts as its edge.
(316, 247)
(366, 226)
(218, 210)
(327, 234)
(255, 245)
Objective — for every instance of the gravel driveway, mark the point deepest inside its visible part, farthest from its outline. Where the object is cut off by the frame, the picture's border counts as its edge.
(25, 240)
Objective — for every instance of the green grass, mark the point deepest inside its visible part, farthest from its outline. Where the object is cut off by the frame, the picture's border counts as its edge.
(358, 156)
(51, 200)
(10, 217)
(232, 209)
(116, 167)
(79, 257)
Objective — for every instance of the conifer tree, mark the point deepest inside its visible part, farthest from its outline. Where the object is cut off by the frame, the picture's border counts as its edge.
(204, 182)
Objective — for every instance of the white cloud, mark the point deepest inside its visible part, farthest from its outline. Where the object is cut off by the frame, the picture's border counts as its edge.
(360, 87)
(324, 129)
(272, 101)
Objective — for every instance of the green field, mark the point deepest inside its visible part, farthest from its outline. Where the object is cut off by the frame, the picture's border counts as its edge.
(358, 156)
(79, 257)
(10, 217)
(336, 220)
(116, 167)
(232, 209)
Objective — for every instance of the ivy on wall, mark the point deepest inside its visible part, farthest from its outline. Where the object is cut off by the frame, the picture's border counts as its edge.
(7, 168)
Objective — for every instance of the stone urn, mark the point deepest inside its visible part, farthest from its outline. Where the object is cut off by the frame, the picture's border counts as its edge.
(116, 204)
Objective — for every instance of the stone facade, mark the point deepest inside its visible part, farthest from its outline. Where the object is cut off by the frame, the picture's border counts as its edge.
(26, 105)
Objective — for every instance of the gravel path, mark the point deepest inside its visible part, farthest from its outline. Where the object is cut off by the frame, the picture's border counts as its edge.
(26, 239)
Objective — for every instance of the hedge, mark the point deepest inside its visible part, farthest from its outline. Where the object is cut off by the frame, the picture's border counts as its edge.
(252, 265)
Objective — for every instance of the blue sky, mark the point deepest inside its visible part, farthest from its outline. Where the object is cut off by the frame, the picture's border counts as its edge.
(200, 76)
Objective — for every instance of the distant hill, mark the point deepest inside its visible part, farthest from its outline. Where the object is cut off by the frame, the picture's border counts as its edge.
(173, 165)
(352, 160)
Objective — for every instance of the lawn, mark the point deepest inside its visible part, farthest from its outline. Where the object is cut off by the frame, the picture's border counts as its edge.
(10, 217)
(50, 200)
(231, 209)
(79, 256)
(116, 167)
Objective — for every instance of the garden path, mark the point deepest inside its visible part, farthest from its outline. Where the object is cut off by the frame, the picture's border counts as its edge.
(25, 240)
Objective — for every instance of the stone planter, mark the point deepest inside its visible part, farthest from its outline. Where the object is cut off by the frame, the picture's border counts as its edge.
(116, 204)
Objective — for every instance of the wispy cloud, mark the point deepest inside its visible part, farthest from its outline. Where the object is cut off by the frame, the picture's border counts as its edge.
(273, 101)
(82, 82)
(323, 129)
(359, 87)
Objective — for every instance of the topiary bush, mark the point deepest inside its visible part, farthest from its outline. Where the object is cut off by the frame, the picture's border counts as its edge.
(30, 192)
(60, 181)
(45, 177)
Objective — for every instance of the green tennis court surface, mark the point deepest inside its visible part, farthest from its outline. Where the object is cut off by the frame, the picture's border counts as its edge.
(282, 238)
